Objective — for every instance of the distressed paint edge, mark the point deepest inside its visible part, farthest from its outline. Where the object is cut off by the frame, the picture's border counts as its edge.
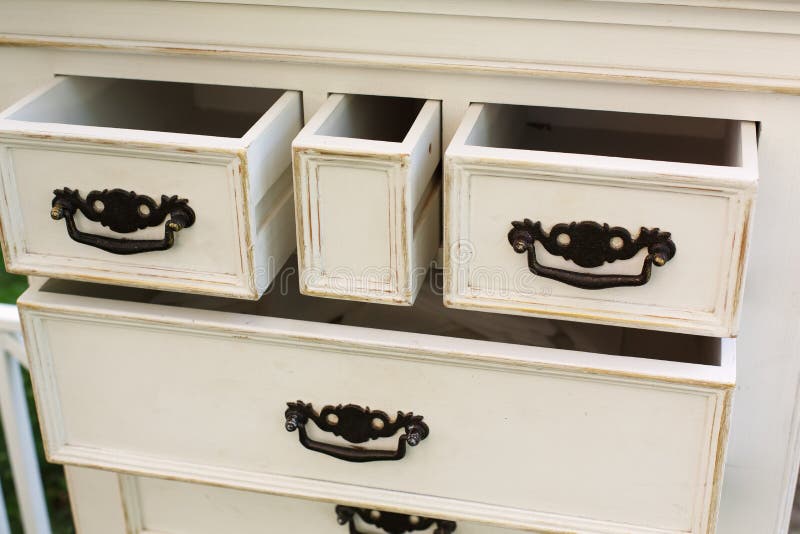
(340, 493)
(306, 157)
(19, 261)
(481, 357)
(578, 72)
(722, 321)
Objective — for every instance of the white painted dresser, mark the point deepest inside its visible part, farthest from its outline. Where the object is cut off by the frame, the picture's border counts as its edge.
(529, 396)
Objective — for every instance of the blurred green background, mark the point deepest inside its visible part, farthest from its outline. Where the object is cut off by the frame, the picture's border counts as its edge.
(11, 286)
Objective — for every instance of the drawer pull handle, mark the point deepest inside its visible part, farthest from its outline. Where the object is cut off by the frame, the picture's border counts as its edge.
(356, 425)
(590, 244)
(124, 212)
(391, 522)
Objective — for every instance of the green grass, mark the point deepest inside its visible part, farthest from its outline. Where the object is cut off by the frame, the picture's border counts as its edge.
(11, 286)
(55, 487)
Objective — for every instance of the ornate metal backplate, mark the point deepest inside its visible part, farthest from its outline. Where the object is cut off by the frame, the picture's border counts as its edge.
(390, 522)
(591, 244)
(356, 425)
(123, 212)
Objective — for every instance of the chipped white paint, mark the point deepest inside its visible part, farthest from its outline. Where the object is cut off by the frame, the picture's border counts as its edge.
(366, 204)
(70, 134)
(705, 202)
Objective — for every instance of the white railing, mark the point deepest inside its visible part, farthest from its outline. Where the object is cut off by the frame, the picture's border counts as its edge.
(17, 430)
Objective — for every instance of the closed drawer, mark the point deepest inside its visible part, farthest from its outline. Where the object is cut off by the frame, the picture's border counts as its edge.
(615, 218)
(108, 503)
(367, 199)
(517, 431)
(161, 185)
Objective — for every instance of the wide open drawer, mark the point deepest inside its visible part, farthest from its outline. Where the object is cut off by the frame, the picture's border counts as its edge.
(616, 218)
(519, 431)
(163, 185)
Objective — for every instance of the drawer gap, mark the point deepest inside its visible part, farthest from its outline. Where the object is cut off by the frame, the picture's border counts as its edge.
(428, 316)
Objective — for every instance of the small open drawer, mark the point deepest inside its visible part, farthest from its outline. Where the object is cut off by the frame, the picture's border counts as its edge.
(155, 184)
(616, 218)
(535, 424)
(367, 197)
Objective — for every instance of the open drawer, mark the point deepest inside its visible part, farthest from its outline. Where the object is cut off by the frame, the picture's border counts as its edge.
(368, 197)
(174, 186)
(515, 421)
(616, 218)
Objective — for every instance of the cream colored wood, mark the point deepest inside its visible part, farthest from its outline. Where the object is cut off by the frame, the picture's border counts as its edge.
(695, 178)
(588, 39)
(364, 182)
(473, 7)
(96, 500)
(92, 134)
(709, 58)
(523, 435)
(108, 503)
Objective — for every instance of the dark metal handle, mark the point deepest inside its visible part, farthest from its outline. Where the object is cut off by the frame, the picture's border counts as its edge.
(590, 244)
(124, 212)
(391, 522)
(356, 425)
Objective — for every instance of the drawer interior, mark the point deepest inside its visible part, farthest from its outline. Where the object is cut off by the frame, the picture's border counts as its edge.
(606, 133)
(185, 108)
(375, 118)
(427, 316)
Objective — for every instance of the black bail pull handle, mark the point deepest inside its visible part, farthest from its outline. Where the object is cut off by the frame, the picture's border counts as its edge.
(123, 212)
(591, 244)
(356, 425)
(391, 522)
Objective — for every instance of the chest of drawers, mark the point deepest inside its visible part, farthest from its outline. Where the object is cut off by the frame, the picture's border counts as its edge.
(499, 423)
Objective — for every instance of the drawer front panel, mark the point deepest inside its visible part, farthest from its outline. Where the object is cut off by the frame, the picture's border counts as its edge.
(689, 283)
(207, 402)
(600, 238)
(39, 170)
(346, 243)
(224, 150)
(108, 503)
